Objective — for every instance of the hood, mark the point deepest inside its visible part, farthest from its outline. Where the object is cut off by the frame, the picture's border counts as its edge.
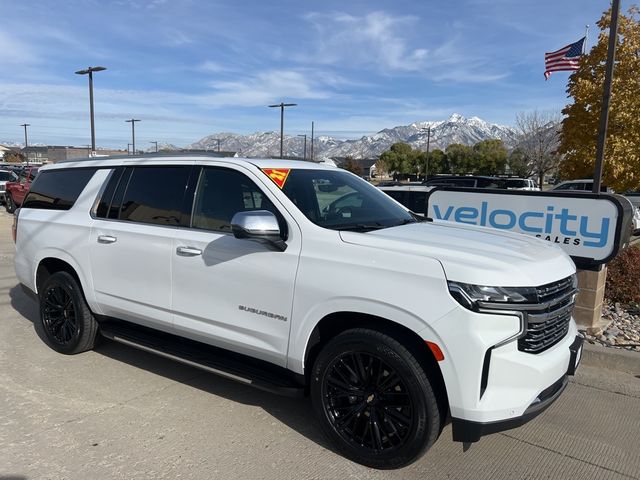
(475, 255)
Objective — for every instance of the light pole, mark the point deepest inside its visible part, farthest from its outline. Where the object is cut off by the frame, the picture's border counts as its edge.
(304, 154)
(312, 141)
(26, 141)
(218, 140)
(156, 144)
(426, 167)
(90, 71)
(281, 106)
(133, 121)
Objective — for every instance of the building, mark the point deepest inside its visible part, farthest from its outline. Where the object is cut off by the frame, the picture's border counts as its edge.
(58, 153)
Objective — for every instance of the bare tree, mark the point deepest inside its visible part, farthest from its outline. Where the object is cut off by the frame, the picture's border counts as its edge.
(538, 137)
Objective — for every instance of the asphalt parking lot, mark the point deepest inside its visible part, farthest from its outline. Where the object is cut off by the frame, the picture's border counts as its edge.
(119, 413)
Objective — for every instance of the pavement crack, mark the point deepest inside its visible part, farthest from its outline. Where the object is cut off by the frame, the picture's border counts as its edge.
(601, 389)
(550, 450)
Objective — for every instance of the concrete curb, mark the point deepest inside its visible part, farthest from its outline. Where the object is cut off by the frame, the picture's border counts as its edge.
(611, 358)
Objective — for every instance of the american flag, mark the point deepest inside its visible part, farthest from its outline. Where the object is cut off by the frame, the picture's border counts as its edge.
(567, 58)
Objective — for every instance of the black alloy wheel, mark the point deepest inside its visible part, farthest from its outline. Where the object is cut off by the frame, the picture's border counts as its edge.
(374, 399)
(367, 402)
(65, 318)
(59, 315)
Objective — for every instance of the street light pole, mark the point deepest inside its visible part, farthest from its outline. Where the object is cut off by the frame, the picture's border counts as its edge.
(156, 144)
(90, 71)
(281, 106)
(426, 167)
(26, 141)
(312, 141)
(133, 121)
(218, 140)
(304, 154)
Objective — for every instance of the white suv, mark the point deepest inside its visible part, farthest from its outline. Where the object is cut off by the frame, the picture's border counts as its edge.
(303, 279)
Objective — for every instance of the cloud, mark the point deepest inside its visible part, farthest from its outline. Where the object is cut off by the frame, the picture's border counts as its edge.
(268, 87)
(376, 38)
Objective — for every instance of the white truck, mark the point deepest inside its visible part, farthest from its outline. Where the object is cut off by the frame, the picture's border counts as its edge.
(303, 280)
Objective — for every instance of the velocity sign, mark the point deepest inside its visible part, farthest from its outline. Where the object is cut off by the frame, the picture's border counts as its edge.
(590, 228)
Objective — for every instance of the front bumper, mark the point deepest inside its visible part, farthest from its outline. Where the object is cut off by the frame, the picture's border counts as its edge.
(471, 431)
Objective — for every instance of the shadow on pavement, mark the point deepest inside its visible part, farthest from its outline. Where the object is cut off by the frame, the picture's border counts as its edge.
(296, 413)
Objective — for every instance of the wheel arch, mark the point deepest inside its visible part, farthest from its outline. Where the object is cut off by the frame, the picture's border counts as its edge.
(337, 322)
(49, 265)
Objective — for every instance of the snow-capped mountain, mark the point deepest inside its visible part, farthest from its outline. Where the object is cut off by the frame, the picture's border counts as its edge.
(456, 129)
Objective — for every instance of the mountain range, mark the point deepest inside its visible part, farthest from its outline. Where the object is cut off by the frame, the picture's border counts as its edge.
(455, 129)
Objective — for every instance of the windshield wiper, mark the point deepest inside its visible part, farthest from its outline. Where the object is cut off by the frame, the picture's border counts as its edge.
(359, 227)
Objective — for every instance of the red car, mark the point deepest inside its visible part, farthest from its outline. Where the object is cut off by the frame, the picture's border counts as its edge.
(16, 191)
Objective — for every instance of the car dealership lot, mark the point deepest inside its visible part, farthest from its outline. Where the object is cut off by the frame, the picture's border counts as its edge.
(122, 413)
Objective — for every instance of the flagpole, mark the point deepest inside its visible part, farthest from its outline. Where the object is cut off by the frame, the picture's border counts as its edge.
(586, 39)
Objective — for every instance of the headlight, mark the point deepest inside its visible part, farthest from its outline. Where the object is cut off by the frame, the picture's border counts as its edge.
(469, 295)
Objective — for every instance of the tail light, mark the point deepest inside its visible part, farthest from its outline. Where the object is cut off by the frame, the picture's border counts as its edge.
(14, 227)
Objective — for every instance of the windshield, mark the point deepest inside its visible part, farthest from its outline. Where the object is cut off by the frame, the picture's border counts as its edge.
(341, 201)
(7, 177)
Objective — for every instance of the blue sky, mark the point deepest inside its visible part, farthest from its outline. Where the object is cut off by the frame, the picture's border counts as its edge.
(190, 68)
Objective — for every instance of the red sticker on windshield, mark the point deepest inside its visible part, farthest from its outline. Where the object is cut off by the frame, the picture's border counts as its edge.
(278, 175)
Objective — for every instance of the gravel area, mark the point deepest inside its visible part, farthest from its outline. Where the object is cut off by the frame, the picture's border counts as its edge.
(624, 329)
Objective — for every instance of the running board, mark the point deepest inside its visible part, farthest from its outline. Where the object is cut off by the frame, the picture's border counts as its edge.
(226, 364)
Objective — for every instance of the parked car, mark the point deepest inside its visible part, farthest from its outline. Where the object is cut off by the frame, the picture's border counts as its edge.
(414, 197)
(5, 176)
(521, 184)
(465, 181)
(302, 279)
(585, 185)
(16, 191)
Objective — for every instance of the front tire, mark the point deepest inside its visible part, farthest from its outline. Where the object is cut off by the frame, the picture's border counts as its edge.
(374, 399)
(68, 325)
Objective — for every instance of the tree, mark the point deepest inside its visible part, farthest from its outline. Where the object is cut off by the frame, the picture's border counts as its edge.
(580, 127)
(400, 158)
(13, 157)
(460, 159)
(490, 157)
(518, 164)
(352, 165)
(538, 140)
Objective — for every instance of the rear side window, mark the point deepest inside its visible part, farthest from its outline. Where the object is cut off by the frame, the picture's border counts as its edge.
(58, 189)
(155, 195)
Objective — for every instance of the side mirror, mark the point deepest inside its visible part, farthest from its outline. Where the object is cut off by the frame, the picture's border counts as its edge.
(260, 225)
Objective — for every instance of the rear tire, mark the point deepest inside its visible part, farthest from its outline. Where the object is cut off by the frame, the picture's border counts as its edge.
(374, 399)
(9, 204)
(68, 325)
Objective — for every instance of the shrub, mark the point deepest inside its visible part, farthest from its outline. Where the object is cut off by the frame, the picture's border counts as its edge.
(623, 277)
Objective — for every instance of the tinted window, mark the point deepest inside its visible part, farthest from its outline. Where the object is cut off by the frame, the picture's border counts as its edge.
(107, 195)
(397, 195)
(221, 193)
(154, 195)
(517, 183)
(58, 189)
(417, 202)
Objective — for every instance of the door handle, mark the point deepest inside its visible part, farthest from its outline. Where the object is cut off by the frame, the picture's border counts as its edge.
(106, 239)
(188, 251)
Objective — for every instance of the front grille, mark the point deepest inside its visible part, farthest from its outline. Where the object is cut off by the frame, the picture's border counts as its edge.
(548, 322)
